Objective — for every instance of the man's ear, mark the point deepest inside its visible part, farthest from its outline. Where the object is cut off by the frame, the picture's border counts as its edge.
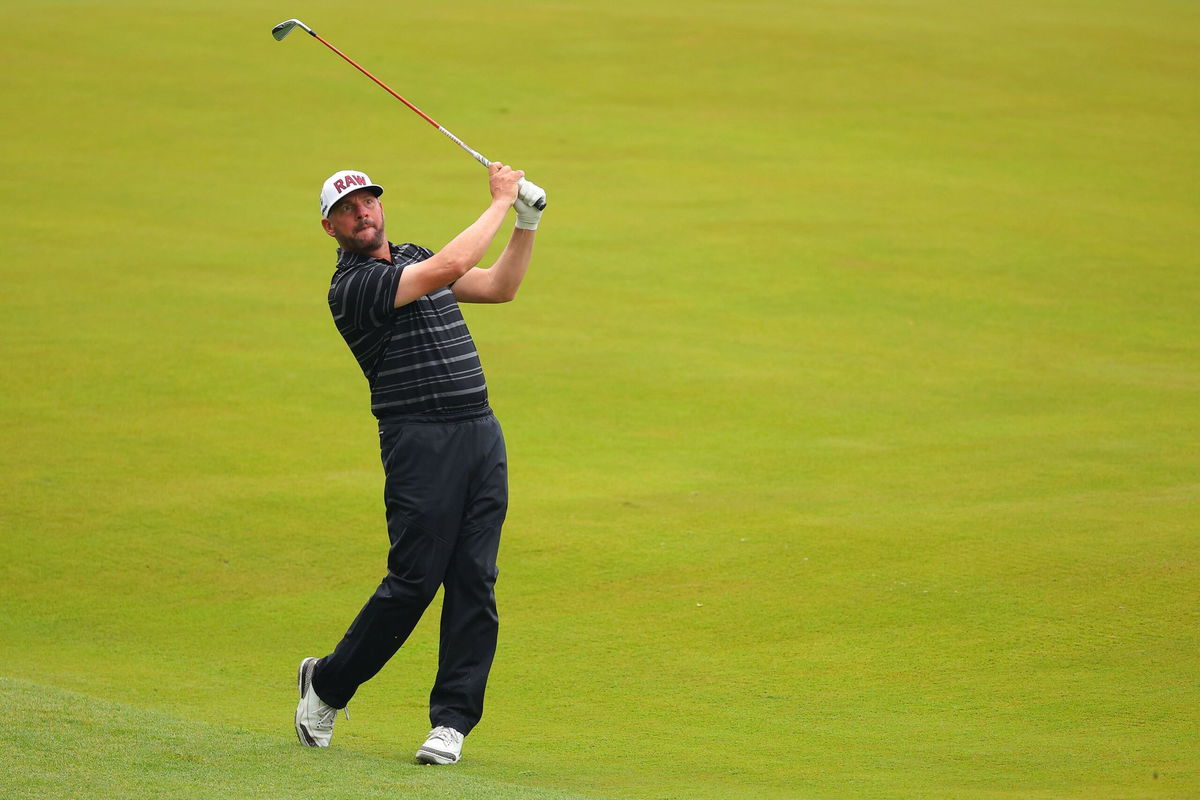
(327, 225)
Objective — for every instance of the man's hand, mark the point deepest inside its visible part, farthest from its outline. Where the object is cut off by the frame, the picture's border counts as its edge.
(531, 194)
(527, 216)
(502, 182)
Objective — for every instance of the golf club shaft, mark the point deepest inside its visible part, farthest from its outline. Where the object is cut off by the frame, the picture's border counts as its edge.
(480, 157)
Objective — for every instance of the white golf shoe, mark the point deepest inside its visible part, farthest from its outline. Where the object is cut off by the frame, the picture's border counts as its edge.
(443, 746)
(314, 717)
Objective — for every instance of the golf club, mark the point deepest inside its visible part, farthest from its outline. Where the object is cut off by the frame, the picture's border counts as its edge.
(530, 193)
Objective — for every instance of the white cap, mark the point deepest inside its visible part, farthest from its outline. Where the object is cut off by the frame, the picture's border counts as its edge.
(343, 183)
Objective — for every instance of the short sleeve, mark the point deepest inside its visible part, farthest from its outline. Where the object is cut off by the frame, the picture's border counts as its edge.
(365, 297)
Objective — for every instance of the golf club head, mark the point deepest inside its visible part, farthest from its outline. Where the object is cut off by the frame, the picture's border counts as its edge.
(281, 30)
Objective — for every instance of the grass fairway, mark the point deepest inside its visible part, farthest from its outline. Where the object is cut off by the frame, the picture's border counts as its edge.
(853, 398)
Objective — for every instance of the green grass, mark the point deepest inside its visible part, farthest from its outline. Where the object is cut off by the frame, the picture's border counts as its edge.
(75, 746)
(853, 398)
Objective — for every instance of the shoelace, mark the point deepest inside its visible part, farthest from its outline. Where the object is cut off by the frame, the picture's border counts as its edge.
(447, 735)
(328, 716)
(325, 718)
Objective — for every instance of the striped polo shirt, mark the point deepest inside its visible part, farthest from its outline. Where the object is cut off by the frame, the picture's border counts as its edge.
(419, 358)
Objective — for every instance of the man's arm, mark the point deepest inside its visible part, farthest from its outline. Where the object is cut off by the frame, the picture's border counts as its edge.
(464, 251)
(500, 282)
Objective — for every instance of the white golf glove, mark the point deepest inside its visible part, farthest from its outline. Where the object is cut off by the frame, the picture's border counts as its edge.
(527, 196)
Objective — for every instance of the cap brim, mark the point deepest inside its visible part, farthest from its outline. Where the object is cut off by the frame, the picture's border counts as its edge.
(374, 188)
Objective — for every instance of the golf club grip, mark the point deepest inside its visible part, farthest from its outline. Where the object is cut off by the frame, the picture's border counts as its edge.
(532, 194)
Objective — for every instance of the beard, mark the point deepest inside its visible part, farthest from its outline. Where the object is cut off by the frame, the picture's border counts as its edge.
(365, 240)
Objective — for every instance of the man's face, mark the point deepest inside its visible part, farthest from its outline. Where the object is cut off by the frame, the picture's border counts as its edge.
(356, 221)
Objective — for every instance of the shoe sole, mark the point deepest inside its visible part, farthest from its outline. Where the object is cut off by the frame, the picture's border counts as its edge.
(427, 755)
(302, 733)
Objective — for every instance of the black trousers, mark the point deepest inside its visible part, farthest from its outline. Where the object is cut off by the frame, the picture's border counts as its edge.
(446, 494)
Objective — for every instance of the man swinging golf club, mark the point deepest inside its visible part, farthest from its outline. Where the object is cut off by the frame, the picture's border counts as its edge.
(445, 469)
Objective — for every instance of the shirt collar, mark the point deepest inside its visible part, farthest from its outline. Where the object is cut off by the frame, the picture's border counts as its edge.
(346, 260)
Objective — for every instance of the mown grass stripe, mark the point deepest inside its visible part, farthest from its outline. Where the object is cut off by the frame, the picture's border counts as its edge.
(64, 745)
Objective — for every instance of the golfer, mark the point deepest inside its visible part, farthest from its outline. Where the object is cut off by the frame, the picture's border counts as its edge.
(445, 469)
